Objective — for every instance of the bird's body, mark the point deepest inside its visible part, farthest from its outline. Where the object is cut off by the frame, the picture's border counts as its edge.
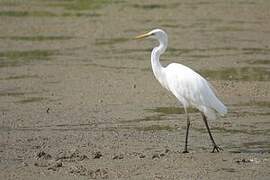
(190, 88)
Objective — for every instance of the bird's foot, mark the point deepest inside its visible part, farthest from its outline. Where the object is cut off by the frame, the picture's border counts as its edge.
(185, 151)
(216, 148)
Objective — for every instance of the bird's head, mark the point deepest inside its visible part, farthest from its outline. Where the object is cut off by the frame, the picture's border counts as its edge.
(158, 34)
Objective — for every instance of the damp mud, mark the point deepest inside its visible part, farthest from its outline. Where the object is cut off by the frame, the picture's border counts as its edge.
(78, 98)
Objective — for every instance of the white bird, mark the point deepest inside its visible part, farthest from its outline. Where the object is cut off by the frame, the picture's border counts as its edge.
(190, 88)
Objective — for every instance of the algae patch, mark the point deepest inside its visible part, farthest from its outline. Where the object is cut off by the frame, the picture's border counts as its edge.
(31, 100)
(27, 13)
(111, 41)
(242, 74)
(171, 110)
(80, 5)
(15, 58)
(37, 38)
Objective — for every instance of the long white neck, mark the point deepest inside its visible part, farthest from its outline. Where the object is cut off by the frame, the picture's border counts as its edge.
(156, 52)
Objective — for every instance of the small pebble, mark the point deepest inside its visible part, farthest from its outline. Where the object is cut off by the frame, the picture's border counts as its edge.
(155, 156)
(162, 154)
(121, 156)
(142, 156)
(97, 155)
(43, 155)
(24, 164)
(55, 166)
(41, 164)
(244, 161)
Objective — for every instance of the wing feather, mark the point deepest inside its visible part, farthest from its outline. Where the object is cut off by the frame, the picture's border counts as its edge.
(193, 90)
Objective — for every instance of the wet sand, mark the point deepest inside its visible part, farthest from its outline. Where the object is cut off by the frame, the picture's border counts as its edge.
(78, 98)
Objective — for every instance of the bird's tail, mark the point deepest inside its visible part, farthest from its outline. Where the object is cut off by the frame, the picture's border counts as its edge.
(220, 107)
(216, 107)
(216, 103)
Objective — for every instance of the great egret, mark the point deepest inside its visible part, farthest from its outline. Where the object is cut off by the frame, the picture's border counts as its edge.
(190, 88)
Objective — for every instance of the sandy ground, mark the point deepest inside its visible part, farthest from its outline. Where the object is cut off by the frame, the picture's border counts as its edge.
(78, 98)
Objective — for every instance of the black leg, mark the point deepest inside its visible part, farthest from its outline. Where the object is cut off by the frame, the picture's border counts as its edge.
(186, 141)
(211, 137)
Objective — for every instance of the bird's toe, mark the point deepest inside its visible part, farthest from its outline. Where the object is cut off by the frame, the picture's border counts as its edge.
(217, 149)
(185, 151)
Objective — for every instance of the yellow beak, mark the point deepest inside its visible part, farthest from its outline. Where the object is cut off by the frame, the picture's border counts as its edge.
(142, 36)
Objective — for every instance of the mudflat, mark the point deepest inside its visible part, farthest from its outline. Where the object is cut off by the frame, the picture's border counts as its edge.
(78, 98)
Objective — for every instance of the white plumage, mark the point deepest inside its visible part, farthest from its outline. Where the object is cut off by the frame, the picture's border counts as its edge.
(190, 88)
